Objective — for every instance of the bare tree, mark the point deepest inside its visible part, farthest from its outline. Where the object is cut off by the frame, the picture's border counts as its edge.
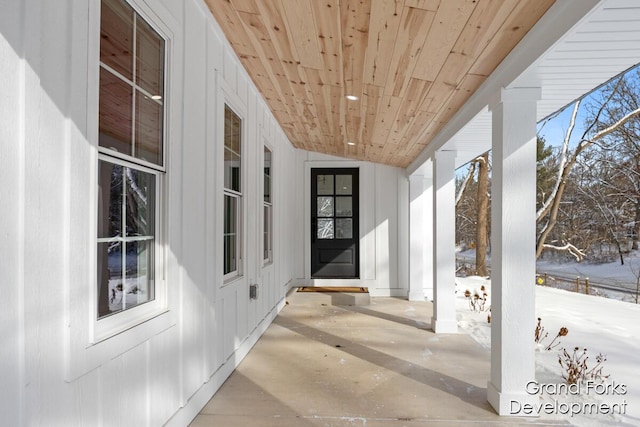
(482, 235)
(599, 126)
(466, 206)
(472, 209)
(468, 178)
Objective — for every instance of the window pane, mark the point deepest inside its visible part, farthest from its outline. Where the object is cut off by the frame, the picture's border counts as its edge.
(325, 229)
(232, 154)
(325, 184)
(109, 199)
(344, 228)
(150, 57)
(140, 203)
(116, 36)
(130, 98)
(325, 206)
(138, 284)
(115, 113)
(232, 130)
(109, 278)
(267, 232)
(267, 188)
(344, 206)
(125, 264)
(231, 170)
(230, 234)
(267, 175)
(344, 184)
(230, 263)
(148, 129)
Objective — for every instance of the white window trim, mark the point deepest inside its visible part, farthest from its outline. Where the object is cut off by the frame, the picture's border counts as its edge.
(269, 260)
(83, 351)
(106, 327)
(238, 272)
(239, 195)
(110, 325)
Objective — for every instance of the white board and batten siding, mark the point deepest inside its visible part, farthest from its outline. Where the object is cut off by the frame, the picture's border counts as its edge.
(163, 371)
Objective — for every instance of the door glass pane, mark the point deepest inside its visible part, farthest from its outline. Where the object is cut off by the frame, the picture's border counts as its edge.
(344, 228)
(325, 229)
(325, 184)
(325, 206)
(344, 184)
(344, 206)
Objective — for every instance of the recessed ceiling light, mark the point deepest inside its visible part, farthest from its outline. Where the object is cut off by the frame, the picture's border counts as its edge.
(156, 97)
(351, 143)
(352, 97)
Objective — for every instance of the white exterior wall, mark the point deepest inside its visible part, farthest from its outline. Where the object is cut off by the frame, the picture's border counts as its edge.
(384, 230)
(164, 370)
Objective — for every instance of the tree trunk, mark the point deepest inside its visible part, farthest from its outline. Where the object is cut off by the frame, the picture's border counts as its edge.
(636, 226)
(483, 204)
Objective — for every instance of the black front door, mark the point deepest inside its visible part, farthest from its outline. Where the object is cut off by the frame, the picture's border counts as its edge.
(334, 223)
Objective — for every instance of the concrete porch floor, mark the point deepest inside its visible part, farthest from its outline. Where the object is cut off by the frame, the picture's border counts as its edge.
(375, 366)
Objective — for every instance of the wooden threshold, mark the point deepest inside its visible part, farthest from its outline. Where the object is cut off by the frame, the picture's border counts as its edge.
(351, 289)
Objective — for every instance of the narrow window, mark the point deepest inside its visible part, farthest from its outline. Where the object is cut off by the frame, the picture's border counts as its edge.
(130, 160)
(232, 192)
(267, 245)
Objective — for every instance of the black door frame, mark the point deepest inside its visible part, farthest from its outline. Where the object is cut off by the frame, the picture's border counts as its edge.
(347, 247)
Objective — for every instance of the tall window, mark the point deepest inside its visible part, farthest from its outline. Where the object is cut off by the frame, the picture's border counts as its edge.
(131, 158)
(232, 192)
(267, 230)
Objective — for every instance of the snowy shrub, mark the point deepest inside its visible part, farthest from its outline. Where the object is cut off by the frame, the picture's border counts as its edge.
(477, 302)
(539, 331)
(575, 366)
(541, 336)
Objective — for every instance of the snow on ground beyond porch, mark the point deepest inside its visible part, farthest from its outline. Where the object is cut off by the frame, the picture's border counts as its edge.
(601, 325)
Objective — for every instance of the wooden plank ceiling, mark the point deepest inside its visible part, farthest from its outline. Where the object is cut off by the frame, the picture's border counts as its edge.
(411, 63)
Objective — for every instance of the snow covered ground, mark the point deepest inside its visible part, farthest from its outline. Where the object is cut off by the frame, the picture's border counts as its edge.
(612, 273)
(601, 325)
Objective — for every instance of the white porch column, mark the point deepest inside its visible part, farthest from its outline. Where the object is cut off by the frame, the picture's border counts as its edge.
(444, 251)
(428, 243)
(513, 195)
(420, 244)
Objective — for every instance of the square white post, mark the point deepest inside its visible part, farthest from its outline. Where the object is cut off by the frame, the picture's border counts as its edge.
(420, 220)
(428, 243)
(444, 250)
(513, 195)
